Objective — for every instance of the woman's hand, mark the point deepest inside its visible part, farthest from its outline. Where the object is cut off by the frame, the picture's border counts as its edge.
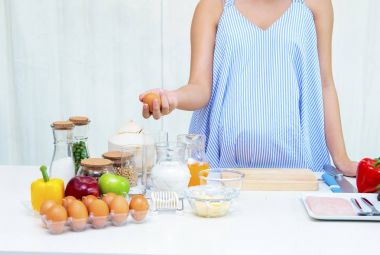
(348, 167)
(168, 103)
(197, 92)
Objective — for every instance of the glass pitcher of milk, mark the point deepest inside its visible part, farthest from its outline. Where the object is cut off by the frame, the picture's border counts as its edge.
(170, 173)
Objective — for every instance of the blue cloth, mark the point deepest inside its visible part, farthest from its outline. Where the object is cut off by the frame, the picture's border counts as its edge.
(266, 106)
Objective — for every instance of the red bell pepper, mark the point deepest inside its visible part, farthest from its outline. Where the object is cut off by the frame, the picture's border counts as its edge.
(368, 175)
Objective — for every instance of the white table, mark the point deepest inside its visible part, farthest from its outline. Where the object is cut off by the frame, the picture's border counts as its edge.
(262, 223)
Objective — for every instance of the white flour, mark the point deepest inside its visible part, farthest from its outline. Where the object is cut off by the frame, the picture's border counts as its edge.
(63, 168)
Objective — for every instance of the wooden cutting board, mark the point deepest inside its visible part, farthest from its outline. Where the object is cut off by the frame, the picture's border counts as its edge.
(279, 179)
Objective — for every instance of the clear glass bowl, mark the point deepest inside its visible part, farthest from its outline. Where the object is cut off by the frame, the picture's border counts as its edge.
(218, 191)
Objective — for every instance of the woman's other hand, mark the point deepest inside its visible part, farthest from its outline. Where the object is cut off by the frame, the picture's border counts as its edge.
(348, 167)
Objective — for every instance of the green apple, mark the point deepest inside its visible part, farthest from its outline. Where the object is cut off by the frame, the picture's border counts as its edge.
(113, 183)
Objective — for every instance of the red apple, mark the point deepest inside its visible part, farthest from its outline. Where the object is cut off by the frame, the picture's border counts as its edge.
(80, 186)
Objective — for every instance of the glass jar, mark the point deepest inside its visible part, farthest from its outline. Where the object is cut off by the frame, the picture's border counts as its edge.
(123, 165)
(95, 167)
(170, 172)
(62, 164)
(149, 159)
(195, 155)
(80, 139)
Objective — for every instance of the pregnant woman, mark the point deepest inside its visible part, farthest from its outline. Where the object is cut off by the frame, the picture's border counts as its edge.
(261, 85)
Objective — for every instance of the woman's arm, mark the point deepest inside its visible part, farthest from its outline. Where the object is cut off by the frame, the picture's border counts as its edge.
(324, 18)
(196, 94)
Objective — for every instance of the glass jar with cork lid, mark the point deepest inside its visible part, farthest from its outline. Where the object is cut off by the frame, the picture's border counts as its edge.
(124, 165)
(80, 139)
(95, 167)
(62, 165)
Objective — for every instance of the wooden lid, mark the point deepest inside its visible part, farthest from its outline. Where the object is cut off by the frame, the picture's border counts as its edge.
(96, 162)
(62, 125)
(117, 155)
(79, 120)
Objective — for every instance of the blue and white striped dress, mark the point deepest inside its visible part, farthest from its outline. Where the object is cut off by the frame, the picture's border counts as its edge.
(266, 106)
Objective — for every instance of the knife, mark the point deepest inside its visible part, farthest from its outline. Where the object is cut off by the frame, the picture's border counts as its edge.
(331, 182)
(345, 185)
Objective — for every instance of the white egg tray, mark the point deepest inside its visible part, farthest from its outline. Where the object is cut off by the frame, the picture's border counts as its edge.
(78, 225)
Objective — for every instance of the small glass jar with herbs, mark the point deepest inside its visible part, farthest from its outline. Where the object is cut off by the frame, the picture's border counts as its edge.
(80, 139)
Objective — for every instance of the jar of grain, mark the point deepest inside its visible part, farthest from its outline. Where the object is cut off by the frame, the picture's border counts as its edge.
(124, 165)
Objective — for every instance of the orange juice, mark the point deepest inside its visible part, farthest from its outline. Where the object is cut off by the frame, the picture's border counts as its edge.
(195, 168)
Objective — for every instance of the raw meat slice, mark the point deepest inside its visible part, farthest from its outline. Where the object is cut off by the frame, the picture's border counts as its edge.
(330, 206)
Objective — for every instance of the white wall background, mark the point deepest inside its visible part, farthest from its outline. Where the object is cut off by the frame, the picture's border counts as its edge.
(93, 57)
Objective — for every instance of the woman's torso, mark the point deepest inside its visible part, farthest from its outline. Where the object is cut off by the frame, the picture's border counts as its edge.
(266, 107)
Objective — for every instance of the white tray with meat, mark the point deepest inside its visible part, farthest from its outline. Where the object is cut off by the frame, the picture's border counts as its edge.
(342, 206)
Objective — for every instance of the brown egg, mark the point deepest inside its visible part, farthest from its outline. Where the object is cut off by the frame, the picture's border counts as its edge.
(46, 205)
(108, 198)
(99, 208)
(139, 207)
(149, 98)
(139, 203)
(79, 215)
(77, 210)
(66, 201)
(119, 205)
(57, 213)
(87, 200)
(119, 210)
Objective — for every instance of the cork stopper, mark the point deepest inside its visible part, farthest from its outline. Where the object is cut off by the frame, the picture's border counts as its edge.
(96, 163)
(117, 155)
(62, 125)
(79, 120)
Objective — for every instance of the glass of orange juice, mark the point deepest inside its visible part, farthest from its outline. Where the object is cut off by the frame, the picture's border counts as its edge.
(195, 155)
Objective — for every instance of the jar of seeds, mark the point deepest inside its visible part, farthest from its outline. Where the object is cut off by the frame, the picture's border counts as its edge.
(124, 165)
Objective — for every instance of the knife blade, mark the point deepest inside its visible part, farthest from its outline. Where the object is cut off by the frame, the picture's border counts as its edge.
(345, 185)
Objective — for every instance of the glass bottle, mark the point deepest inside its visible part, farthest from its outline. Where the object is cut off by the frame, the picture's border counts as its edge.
(62, 164)
(170, 172)
(195, 155)
(80, 138)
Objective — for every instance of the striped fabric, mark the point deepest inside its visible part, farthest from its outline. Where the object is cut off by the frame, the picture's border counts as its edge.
(266, 107)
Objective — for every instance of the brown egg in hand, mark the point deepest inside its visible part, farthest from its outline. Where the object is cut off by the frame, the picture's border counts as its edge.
(149, 98)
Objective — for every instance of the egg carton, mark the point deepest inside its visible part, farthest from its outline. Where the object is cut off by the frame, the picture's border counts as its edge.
(78, 225)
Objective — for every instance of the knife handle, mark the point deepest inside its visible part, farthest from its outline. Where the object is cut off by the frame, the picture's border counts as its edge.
(331, 182)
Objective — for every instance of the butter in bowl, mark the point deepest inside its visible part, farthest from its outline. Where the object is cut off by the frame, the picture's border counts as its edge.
(217, 193)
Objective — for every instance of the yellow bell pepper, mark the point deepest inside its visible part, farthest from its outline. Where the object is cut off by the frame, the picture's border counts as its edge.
(46, 189)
